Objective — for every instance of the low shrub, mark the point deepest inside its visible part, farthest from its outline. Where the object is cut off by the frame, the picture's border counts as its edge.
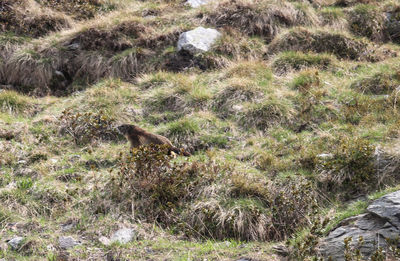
(88, 127)
(351, 170)
(149, 184)
(392, 26)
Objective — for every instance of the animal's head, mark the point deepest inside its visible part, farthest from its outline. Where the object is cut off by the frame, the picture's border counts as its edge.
(124, 129)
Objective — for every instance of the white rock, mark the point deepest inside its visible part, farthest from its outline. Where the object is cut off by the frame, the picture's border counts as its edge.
(53, 160)
(15, 242)
(197, 3)
(105, 241)
(68, 242)
(123, 236)
(325, 156)
(237, 107)
(198, 40)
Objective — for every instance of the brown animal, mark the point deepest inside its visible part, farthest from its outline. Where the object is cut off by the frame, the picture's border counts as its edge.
(138, 137)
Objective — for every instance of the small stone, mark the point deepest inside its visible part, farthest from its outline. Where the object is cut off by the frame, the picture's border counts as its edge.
(325, 156)
(21, 162)
(123, 235)
(68, 242)
(25, 172)
(237, 107)
(197, 3)
(148, 250)
(50, 248)
(105, 241)
(74, 158)
(198, 40)
(67, 227)
(16, 242)
(74, 46)
(54, 161)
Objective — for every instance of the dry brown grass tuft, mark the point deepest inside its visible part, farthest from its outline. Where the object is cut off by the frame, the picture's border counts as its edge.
(252, 208)
(392, 27)
(26, 17)
(345, 3)
(368, 21)
(341, 45)
(235, 94)
(262, 17)
(379, 83)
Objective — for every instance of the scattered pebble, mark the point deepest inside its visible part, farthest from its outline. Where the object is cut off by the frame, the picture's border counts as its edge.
(68, 242)
(16, 242)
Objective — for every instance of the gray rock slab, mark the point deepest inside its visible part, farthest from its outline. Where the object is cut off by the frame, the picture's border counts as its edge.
(68, 242)
(381, 222)
(198, 40)
(16, 242)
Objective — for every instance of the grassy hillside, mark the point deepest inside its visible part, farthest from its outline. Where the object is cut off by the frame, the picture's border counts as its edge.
(292, 119)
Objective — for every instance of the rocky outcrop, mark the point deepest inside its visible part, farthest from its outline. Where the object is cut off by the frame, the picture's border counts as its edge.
(381, 222)
(198, 40)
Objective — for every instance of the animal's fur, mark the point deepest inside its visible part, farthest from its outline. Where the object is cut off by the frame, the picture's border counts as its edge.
(138, 137)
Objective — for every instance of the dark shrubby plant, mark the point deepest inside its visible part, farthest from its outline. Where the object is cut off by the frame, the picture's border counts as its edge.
(204, 199)
(351, 168)
(367, 20)
(156, 187)
(88, 127)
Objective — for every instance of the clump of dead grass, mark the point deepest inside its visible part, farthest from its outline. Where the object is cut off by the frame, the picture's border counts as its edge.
(25, 17)
(339, 44)
(242, 210)
(379, 83)
(262, 18)
(367, 20)
(88, 127)
(266, 113)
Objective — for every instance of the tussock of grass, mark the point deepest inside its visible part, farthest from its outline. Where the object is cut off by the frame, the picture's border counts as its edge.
(291, 60)
(367, 20)
(334, 17)
(26, 17)
(263, 18)
(342, 46)
(243, 209)
(379, 83)
(266, 113)
(228, 99)
(12, 102)
(306, 80)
